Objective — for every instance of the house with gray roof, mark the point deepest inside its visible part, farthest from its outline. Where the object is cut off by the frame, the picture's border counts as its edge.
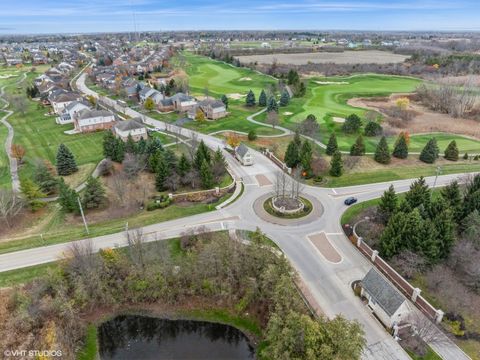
(384, 299)
(244, 155)
(87, 120)
(133, 127)
(66, 117)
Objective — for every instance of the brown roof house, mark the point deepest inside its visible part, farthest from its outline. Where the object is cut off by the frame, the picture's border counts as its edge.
(87, 120)
(132, 127)
(211, 108)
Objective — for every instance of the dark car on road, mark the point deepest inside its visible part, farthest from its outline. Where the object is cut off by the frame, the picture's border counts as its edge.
(349, 201)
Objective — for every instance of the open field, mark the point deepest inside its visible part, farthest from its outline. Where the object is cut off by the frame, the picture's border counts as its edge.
(346, 57)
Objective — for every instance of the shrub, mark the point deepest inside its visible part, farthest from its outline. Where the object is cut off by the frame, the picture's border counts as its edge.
(373, 129)
(252, 135)
(429, 153)
(160, 202)
(352, 124)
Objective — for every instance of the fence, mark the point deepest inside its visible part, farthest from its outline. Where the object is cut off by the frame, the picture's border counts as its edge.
(400, 283)
(277, 161)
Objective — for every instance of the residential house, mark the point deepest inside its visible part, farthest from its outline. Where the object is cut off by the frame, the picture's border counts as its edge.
(386, 302)
(59, 99)
(148, 92)
(183, 102)
(68, 113)
(244, 155)
(133, 127)
(87, 120)
(211, 108)
(166, 105)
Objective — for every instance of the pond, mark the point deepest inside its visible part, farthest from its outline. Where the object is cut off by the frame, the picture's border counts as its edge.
(141, 337)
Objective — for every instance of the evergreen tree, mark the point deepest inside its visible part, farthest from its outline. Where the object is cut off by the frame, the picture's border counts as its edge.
(171, 158)
(297, 139)
(141, 146)
(292, 156)
(250, 100)
(301, 89)
(206, 175)
(66, 164)
(336, 164)
(67, 197)
(428, 246)
(262, 100)
(184, 166)
(225, 101)
(292, 77)
(451, 194)
(332, 146)
(391, 240)
(413, 231)
(429, 153)
(272, 105)
(118, 151)
(373, 129)
(352, 124)
(109, 143)
(45, 179)
(94, 194)
(471, 227)
(32, 194)
(400, 150)
(252, 135)
(358, 149)
(445, 232)
(388, 204)
(451, 152)
(130, 145)
(163, 171)
(202, 154)
(419, 194)
(306, 155)
(382, 153)
(284, 98)
(153, 144)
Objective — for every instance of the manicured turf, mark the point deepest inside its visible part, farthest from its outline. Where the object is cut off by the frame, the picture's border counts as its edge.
(5, 180)
(20, 276)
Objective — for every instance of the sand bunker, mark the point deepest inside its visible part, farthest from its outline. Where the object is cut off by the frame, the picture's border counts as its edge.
(287, 113)
(332, 82)
(245, 79)
(338, 120)
(235, 96)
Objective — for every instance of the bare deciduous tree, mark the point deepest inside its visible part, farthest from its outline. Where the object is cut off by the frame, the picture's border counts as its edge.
(10, 205)
(136, 247)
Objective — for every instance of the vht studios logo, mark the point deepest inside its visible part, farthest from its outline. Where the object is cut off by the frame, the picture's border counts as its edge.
(32, 353)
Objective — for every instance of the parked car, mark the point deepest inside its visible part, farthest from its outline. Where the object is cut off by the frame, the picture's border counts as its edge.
(349, 201)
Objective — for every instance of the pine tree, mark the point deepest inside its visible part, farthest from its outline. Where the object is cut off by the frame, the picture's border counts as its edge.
(202, 154)
(184, 166)
(297, 139)
(292, 156)
(163, 171)
(419, 194)
(382, 153)
(272, 105)
(391, 241)
(451, 152)
(412, 236)
(332, 146)
(400, 150)
(94, 194)
(153, 144)
(306, 155)
(430, 152)
(118, 151)
(262, 100)
(252, 135)
(388, 204)
(206, 175)
(336, 164)
(141, 146)
(130, 145)
(358, 149)
(250, 100)
(225, 101)
(66, 164)
(109, 143)
(352, 124)
(451, 194)
(373, 129)
(292, 77)
(284, 98)
(45, 179)
(445, 232)
(67, 198)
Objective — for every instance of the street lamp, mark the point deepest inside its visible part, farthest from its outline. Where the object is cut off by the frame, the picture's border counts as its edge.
(438, 171)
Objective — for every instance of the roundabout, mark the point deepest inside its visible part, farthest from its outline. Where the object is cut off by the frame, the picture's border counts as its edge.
(286, 212)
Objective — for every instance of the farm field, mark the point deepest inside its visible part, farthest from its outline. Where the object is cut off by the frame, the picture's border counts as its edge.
(345, 57)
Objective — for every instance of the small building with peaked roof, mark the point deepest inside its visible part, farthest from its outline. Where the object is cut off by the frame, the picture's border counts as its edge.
(244, 155)
(384, 299)
(133, 127)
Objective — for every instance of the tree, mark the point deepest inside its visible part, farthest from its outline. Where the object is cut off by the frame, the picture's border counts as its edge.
(67, 197)
(250, 99)
(352, 124)
(18, 152)
(252, 135)
(306, 155)
(400, 151)
(430, 152)
(206, 175)
(199, 115)
(272, 105)
(218, 165)
(388, 204)
(292, 156)
(184, 166)
(272, 119)
(373, 129)
(162, 172)
(382, 153)
(471, 228)
(10, 205)
(402, 103)
(94, 194)
(130, 145)
(149, 104)
(336, 164)
(233, 140)
(293, 77)
(224, 99)
(262, 99)
(310, 126)
(332, 146)
(284, 98)
(118, 153)
(391, 238)
(451, 152)
(66, 164)
(358, 149)
(419, 194)
(109, 144)
(32, 194)
(44, 178)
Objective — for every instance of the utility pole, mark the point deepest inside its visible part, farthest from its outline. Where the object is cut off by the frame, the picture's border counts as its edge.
(437, 172)
(83, 215)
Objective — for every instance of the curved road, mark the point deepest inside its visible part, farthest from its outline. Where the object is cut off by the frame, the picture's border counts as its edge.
(328, 282)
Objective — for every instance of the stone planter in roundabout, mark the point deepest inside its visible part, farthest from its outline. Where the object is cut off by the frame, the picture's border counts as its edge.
(288, 207)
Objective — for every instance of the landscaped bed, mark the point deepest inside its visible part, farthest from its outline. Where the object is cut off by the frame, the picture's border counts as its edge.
(288, 208)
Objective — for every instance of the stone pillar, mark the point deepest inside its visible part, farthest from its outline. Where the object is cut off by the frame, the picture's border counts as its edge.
(217, 190)
(359, 241)
(415, 294)
(374, 255)
(439, 316)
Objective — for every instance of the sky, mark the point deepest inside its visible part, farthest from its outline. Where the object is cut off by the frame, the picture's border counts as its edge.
(87, 16)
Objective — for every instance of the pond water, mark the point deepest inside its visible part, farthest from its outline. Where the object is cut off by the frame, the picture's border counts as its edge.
(141, 337)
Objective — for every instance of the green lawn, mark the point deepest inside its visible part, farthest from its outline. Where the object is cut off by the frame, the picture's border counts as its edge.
(5, 180)
(20, 276)
(430, 355)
